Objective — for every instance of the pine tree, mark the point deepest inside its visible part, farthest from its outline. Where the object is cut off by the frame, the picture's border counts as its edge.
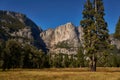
(95, 31)
(117, 31)
(88, 28)
(103, 42)
(66, 60)
(80, 58)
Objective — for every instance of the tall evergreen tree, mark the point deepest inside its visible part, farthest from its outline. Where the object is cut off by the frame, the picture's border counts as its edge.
(80, 58)
(103, 42)
(95, 31)
(117, 31)
(66, 60)
(89, 31)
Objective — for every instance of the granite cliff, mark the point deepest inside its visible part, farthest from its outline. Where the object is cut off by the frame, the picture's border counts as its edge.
(18, 26)
(63, 39)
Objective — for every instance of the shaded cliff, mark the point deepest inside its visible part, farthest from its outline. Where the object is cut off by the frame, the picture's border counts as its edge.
(18, 26)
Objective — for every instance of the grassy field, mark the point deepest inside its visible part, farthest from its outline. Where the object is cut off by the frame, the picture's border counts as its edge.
(61, 74)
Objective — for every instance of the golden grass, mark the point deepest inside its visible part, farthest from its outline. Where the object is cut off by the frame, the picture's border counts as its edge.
(61, 74)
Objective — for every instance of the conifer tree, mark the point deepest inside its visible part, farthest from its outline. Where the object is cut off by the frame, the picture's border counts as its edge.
(80, 58)
(117, 31)
(103, 42)
(88, 24)
(95, 31)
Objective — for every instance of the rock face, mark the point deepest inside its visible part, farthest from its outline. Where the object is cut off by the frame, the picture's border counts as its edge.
(64, 39)
(115, 42)
(20, 27)
(67, 39)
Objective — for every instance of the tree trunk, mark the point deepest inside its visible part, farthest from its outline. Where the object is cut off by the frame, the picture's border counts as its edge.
(93, 63)
(94, 66)
(90, 64)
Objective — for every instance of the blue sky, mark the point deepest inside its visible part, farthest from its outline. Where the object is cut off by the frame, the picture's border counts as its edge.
(52, 13)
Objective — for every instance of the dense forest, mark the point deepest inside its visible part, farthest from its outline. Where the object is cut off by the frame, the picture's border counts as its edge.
(16, 55)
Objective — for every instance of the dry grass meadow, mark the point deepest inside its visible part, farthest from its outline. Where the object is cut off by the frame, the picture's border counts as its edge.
(61, 74)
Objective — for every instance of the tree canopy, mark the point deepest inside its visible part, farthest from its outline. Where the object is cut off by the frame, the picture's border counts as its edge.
(96, 37)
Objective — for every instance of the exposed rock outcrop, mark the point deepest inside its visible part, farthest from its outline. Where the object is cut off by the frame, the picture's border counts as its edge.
(115, 41)
(20, 27)
(63, 39)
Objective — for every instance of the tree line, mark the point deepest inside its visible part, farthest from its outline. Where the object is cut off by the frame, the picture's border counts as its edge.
(14, 54)
(17, 55)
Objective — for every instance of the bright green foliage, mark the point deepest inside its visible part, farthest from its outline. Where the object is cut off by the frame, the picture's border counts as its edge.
(117, 31)
(95, 31)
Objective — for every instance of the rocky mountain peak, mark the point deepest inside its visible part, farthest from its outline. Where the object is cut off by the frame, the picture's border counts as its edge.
(69, 24)
(61, 38)
(65, 32)
(14, 15)
(20, 27)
